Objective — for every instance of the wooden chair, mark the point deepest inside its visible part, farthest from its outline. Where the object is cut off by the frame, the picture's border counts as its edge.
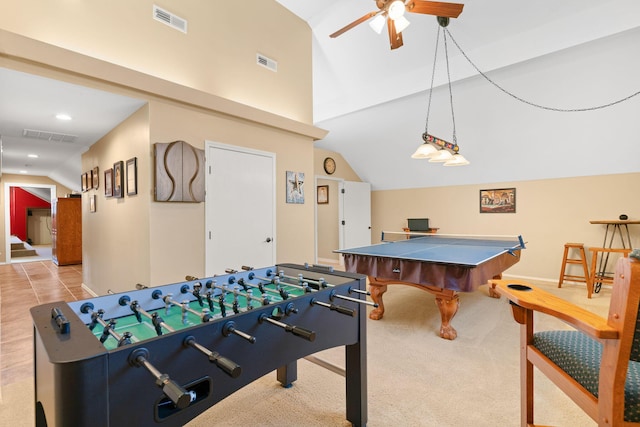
(598, 363)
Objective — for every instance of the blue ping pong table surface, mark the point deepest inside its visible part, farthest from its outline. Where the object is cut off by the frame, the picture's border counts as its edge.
(441, 249)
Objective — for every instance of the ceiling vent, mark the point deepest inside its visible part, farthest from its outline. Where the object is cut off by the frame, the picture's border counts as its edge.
(169, 18)
(267, 62)
(48, 136)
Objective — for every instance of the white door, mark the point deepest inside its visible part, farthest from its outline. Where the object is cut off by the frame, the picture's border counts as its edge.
(240, 208)
(355, 214)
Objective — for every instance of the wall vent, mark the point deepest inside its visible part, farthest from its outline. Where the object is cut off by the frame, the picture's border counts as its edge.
(267, 62)
(48, 136)
(169, 19)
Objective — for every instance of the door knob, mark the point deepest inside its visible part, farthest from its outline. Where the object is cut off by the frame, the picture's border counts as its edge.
(268, 239)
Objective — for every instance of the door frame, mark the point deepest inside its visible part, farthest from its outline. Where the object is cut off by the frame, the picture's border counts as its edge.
(208, 144)
(7, 211)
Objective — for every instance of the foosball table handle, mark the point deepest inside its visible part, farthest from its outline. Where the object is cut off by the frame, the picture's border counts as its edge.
(295, 330)
(230, 367)
(174, 391)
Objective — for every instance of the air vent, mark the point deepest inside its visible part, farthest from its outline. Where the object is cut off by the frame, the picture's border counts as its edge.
(169, 18)
(48, 136)
(267, 62)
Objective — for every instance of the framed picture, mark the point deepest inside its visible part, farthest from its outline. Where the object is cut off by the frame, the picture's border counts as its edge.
(118, 179)
(108, 182)
(85, 182)
(95, 178)
(132, 177)
(92, 203)
(323, 194)
(499, 200)
(295, 187)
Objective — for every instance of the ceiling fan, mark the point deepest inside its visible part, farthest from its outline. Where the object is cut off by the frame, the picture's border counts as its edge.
(392, 11)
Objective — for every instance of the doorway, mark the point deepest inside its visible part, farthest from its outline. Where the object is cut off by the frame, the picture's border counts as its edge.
(344, 221)
(44, 191)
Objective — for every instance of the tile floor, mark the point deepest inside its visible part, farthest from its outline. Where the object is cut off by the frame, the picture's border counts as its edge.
(22, 286)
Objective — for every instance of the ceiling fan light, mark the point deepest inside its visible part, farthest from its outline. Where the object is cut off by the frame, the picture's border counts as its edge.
(377, 23)
(456, 160)
(401, 23)
(396, 9)
(424, 151)
(440, 156)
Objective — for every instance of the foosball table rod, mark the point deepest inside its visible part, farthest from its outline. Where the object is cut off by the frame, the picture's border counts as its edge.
(176, 393)
(108, 327)
(295, 330)
(205, 316)
(333, 295)
(228, 366)
(156, 320)
(230, 328)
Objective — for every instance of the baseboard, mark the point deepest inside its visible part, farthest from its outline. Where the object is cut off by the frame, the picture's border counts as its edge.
(86, 288)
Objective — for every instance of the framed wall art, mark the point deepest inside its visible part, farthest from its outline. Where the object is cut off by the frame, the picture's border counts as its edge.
(132, 176)
(323, 194)
(95, 178)
(295, 187)
(85, 182)
(92, 203)
(499, 200)
(108, 182)
(118, 179)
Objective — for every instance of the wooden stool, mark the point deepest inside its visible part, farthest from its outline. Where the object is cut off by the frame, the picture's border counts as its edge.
(582, 260)
(599, 277)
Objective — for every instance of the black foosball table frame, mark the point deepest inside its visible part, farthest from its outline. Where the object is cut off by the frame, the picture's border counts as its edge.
(80, 382)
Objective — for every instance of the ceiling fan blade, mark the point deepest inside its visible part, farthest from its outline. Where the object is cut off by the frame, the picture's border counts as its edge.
(448, 10)
(353, 24)
(395, 38)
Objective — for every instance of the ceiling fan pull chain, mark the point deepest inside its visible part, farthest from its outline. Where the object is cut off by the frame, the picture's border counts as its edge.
(433, 73)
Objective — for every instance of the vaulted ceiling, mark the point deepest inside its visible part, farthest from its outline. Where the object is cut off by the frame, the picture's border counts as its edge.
(372, 99)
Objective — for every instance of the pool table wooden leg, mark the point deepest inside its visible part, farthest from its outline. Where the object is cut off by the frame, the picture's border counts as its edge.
(377, 289)
(448, 305)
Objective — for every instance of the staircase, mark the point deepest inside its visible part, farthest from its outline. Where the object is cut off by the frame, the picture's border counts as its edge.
(20, 248)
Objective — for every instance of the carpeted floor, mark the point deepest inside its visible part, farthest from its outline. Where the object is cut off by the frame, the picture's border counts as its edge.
(415, 378)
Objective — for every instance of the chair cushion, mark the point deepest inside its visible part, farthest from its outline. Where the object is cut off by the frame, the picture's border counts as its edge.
(579, 356)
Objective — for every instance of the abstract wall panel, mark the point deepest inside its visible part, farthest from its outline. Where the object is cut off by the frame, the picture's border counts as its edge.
(179, 170)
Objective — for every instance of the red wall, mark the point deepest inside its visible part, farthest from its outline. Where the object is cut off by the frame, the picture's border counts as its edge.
(21, 201)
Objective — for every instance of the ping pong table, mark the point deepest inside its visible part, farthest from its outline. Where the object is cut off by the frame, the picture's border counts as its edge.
(442, 265)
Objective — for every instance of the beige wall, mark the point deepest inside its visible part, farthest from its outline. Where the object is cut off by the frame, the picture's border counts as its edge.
(115, 239)
(60, 191)
(177, 229)
(217, 55)
(200, 86)
(327, 216)
(549, 213)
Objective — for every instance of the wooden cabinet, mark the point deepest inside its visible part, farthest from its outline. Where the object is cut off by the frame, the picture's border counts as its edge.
(66, 231)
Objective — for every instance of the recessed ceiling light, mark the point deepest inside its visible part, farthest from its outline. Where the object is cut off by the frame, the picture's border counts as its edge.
(33, 156)
(63, 116)
(23, 171)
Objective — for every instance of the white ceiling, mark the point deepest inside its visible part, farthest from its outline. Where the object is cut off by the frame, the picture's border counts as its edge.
(363, 91)
(32, 102)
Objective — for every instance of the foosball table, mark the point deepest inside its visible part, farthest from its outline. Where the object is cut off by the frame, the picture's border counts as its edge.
(163, 355)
